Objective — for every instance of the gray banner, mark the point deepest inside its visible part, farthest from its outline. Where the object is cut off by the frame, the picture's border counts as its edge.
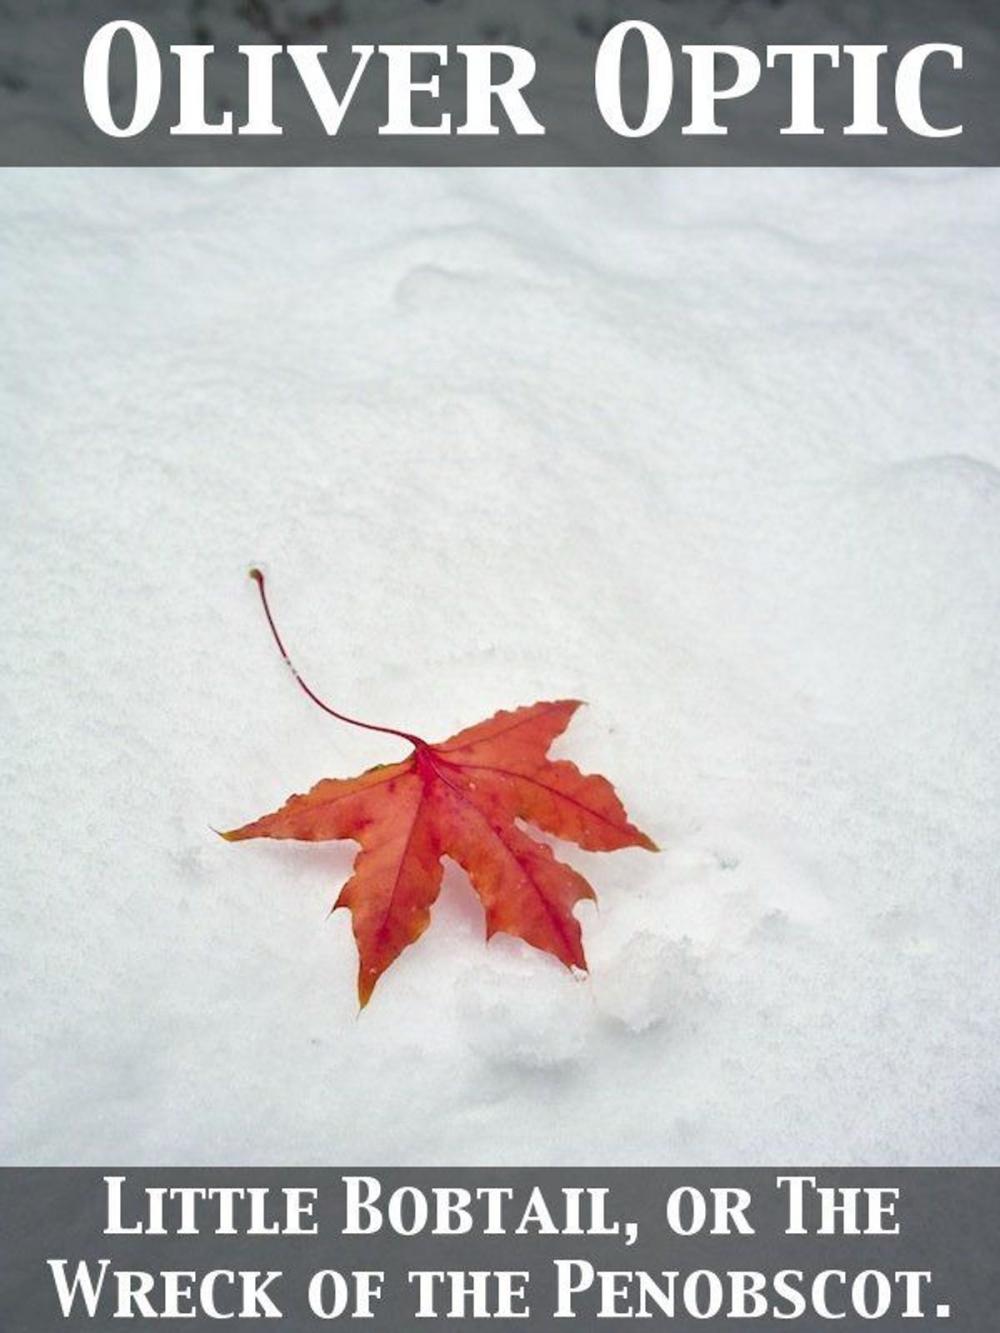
(864, 109)
(582, 1248)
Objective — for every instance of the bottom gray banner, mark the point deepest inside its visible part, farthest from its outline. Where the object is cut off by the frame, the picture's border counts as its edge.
(86, 1249)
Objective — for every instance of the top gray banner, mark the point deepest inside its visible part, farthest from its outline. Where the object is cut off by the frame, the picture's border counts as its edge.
(499, 83)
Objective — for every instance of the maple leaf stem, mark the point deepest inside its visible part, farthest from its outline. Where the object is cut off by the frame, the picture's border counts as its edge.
(415, 741)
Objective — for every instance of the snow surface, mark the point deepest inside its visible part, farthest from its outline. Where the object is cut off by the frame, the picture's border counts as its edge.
(715, 451)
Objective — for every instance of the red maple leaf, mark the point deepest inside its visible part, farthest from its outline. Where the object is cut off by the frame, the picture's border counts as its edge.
(460, 798)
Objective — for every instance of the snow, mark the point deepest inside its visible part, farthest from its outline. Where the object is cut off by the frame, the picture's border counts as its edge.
(715, 451)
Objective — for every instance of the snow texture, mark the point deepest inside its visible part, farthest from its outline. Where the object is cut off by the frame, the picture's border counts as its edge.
(716, 452)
